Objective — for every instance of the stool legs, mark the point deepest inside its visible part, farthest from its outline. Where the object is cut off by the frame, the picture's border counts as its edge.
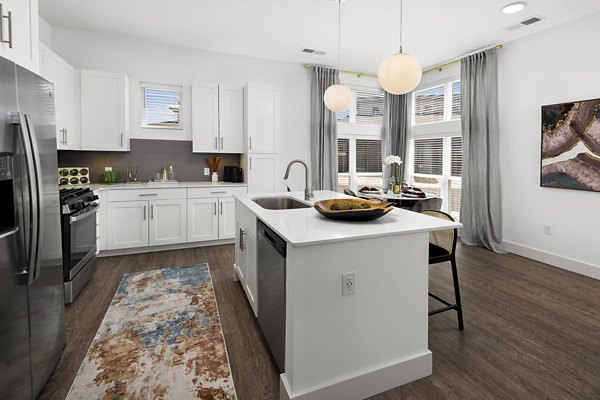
(457, 294)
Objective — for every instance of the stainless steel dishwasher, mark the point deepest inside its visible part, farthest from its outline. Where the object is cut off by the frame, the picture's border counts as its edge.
(271, 291)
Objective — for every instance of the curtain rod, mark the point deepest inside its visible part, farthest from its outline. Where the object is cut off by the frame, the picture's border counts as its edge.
(440, 67)
(436, 68)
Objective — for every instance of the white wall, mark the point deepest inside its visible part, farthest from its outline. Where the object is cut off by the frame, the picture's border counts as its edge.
(45, 32)
(149, 62)
(558, 65)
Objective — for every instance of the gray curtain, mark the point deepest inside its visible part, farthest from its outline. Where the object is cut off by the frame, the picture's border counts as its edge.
(323, 131)
(395, 132)
(480, 208)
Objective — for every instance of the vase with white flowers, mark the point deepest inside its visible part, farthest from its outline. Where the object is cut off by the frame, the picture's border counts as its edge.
(397, 182)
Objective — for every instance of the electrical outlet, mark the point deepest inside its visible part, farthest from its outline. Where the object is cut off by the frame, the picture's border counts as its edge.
(108, 169)
(348, 283)
(548, 229)
(206, 171)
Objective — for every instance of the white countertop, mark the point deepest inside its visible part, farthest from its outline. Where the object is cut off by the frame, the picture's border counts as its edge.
(305, 226)
(146, 185)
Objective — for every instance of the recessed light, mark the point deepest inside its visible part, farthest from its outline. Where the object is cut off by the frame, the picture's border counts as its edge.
(513, 7)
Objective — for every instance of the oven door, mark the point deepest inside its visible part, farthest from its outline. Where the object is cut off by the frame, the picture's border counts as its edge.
(82, 239)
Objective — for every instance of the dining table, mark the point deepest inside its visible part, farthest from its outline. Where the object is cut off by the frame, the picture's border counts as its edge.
(400, 200)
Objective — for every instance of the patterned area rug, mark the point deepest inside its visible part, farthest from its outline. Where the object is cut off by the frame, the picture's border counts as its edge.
(161, 338)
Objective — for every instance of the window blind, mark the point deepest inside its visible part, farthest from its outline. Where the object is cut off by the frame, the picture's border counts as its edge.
(161, 106)
(369, 107)
(343, 156)
(368, 155)
(454, 197)
(456, 156)
(429, 105)
(429, 156)
(455, 100)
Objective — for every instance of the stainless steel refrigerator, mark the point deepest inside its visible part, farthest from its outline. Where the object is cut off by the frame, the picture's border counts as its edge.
(32, 327)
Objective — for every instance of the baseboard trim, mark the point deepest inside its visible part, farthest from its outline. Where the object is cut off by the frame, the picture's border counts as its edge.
(150, 249)
(364, 385)
(555, 260)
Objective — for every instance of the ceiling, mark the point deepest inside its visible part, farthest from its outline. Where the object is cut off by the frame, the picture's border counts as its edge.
(434, 30)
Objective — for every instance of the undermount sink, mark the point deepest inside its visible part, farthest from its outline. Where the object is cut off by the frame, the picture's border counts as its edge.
(280, 203)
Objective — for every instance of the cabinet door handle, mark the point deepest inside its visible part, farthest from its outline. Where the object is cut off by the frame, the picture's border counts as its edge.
(242, 245)
(144, 213)
(152, 211)
(66, 137)
(215, 208)
(121, 140)
(250, 142)
(221, 192)
(221, 142)
(9, 18)
(250, 162)
(221, 208)
(216, 143)
(148, 194)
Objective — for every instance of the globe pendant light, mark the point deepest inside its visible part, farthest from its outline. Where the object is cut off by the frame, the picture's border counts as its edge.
(338, 97)
(400, 73)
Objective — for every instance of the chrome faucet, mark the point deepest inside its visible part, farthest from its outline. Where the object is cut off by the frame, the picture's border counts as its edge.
(308, 193)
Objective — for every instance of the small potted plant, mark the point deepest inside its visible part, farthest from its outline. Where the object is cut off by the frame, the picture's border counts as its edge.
(397, 181)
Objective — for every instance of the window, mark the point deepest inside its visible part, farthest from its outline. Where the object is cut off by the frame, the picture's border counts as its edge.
(161, 106)
(359, 141)
(436, 146)
(359, 163)
(437, 104)
(437, 165)
(367, 108)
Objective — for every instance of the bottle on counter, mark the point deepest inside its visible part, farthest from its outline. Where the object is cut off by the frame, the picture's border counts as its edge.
(171, 173)
(164, 173)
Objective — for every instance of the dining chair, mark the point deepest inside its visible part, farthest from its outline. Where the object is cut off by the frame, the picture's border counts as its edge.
(442, 248)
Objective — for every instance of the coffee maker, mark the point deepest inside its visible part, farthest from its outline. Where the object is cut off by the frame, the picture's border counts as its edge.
(233, 174)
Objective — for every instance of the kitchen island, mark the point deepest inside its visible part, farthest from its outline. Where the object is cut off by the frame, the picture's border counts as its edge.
(352, 346)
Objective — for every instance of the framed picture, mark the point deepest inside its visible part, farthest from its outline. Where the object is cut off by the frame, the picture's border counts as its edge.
(571, 145)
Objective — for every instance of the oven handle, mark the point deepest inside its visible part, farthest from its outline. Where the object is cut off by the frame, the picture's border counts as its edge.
(78, 218)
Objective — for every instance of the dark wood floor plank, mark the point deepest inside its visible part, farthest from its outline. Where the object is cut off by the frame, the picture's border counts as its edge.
(531, 331)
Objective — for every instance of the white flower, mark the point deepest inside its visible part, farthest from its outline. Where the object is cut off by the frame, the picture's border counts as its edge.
(393, 160)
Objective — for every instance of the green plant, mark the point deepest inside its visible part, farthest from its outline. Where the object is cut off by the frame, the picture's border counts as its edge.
(110, 177)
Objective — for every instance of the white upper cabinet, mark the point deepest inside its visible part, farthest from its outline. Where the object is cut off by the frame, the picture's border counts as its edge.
(205, 118)
(231, 119)
(261, 118)
(62, 75)
(217, 118)
(104, 111)
(19, 32)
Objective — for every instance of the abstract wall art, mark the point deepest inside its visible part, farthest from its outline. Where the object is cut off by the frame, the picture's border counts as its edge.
(571, 145)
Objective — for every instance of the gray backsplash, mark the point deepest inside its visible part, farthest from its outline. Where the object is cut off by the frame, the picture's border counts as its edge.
(150, 156)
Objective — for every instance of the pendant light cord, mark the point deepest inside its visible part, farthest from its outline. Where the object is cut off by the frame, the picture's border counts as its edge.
(401, 15)
(339, 32)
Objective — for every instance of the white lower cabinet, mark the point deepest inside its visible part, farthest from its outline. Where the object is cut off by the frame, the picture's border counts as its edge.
(245, 253)
(167, 222)
(127, 224)
(226, 218)
(203, 221)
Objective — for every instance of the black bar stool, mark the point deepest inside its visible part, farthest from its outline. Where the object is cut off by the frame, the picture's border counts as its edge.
(442, 248)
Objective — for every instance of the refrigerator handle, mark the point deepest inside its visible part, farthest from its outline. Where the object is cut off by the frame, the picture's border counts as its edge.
(33, 163)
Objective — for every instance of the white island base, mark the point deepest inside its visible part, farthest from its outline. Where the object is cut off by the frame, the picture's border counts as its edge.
(355, 346)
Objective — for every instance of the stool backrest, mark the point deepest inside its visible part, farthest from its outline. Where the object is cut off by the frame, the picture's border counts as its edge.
(446, 239)
(350, 192)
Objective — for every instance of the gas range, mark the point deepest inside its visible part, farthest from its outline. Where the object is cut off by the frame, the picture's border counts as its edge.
(78, 226)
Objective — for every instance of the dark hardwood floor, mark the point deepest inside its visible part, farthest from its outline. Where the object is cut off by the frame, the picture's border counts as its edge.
(531, 331)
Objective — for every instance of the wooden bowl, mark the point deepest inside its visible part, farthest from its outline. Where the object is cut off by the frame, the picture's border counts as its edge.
(377, 209)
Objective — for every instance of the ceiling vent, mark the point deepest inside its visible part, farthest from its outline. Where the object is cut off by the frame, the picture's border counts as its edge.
(312, 51)
(523, 24)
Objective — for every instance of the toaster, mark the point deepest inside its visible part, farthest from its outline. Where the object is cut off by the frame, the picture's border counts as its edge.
(233, 174)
